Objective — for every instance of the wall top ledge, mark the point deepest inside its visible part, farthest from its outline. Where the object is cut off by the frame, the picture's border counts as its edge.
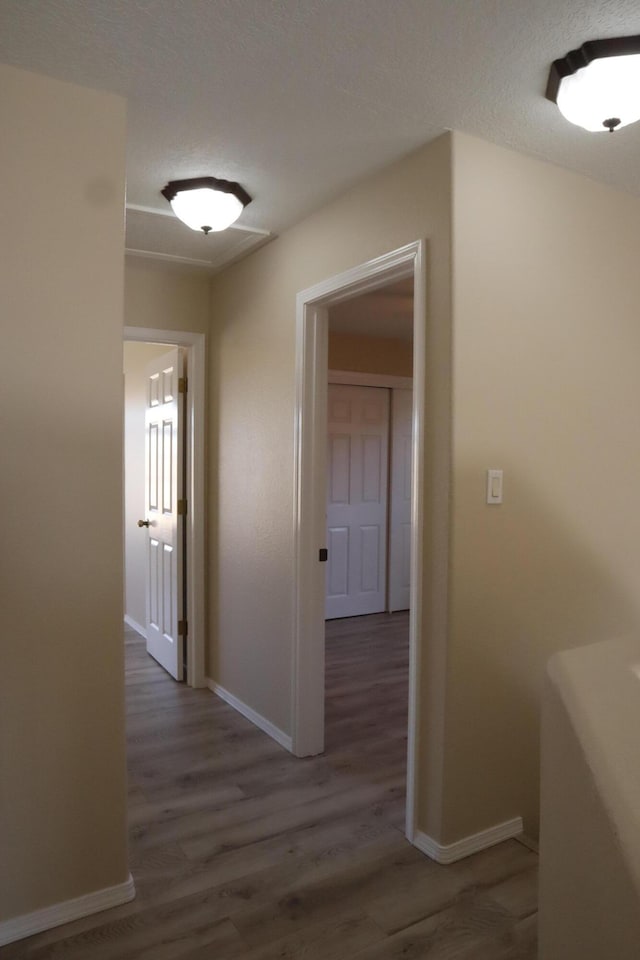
(599, 685)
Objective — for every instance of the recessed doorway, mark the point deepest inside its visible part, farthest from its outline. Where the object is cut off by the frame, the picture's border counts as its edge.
(314, 307)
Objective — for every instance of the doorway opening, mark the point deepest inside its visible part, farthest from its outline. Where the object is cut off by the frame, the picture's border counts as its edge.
(369, 445)
(193, 546)
(313, 312)
(369, 442)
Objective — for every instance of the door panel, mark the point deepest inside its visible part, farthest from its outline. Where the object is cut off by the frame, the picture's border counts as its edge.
(339, 472)
(372, 469)
(369, 559)
(164, 458)
(357, 453)
(338, 569)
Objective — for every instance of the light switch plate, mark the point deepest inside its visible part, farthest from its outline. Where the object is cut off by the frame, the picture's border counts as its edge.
(494, 486)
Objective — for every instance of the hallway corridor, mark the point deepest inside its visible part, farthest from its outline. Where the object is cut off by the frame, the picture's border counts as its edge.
(239, 850)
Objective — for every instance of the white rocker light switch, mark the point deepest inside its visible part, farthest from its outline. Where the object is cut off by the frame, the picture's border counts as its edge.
(494, 486)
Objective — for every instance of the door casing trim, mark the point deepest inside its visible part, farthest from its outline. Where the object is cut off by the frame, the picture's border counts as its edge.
(196, 395)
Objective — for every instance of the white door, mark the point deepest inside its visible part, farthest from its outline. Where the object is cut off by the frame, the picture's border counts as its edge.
(165, 510)
(357, 466)
(400, 500)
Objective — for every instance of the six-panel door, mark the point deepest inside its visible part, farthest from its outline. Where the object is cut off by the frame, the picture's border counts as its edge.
(357, 466)
(163, 482)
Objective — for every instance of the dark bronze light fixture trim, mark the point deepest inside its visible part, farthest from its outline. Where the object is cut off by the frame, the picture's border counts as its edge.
(174, 187)
(580, 90)
(584, 55)
(206, 203)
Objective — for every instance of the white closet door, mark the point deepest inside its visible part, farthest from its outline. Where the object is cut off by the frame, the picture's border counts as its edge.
(400, 518)
(357, 466)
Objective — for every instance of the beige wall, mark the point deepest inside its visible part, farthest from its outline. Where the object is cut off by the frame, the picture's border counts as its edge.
(544, 385)
(136, 358)
(252, 404)
(370, 354)
(63, 814)
(589, 902)
(546, 348)
(165, 296)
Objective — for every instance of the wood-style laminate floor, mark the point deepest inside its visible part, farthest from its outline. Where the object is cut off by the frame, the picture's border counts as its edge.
(240, 850)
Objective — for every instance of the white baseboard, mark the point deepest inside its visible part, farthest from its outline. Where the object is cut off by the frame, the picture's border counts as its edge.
(65, 912)
(130, 622)
(274, 732)
(450, 852)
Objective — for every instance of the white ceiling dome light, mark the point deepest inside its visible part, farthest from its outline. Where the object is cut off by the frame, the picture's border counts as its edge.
(598, 86)
(206, 203)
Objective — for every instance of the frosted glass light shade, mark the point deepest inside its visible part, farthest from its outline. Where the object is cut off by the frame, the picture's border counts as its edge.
(205, 207)
(206, 203)
(606, 89)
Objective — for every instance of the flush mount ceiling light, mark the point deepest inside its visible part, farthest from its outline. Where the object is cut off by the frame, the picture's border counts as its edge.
(206, 203)
(598, 86)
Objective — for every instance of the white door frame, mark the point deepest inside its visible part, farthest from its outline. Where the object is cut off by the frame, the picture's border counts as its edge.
(310, 429)
(195, 399)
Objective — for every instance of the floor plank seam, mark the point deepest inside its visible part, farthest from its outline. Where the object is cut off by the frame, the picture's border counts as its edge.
(240, 850)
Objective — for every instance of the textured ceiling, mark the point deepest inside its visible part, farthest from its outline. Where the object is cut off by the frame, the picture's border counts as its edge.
(297, 99)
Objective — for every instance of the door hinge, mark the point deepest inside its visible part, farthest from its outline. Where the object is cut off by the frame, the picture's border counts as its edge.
(183, 384)
(182, 508)
(182, 628)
